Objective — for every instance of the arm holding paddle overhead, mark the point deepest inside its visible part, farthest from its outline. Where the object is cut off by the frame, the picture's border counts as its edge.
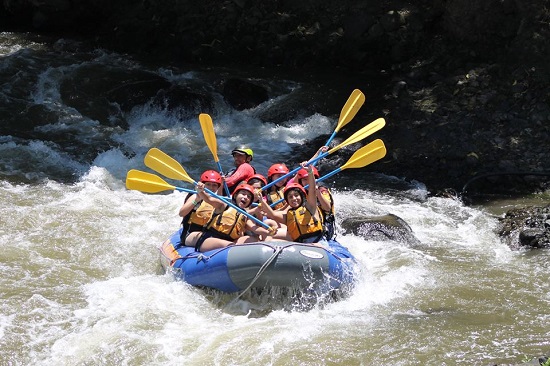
(356, 137)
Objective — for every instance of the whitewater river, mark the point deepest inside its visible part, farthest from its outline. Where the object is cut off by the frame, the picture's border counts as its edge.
(80, 281)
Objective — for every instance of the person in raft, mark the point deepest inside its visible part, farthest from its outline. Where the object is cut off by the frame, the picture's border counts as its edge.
(303, 219)
(275, 192)
(258, 181)
(243, 169)
(227, 225)
(325, 201)
(195, 212)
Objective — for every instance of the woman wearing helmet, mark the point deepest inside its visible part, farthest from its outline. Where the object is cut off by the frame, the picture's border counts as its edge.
(275, 192)
(303, 219)
(243, 170)
(194, 211)
(227, 225)
(325, 201)
(257, 181)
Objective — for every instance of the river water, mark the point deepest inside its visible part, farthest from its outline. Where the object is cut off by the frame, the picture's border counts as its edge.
(80, 280)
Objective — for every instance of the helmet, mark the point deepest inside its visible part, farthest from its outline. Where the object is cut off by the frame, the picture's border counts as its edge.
(259, 177)
(243, 150)
(244, 187)
(277, 169)
(211, 176)
(297, 186)
(303, 173)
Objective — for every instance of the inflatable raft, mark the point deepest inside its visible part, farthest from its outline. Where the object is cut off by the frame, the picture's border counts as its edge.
(261, 265)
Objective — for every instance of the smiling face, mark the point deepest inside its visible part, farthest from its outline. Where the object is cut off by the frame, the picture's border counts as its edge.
(294, 198)
(243, 198)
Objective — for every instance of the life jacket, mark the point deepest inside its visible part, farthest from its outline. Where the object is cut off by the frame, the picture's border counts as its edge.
(229, 224)
(328, 216)
(302, 225)
(196, 219)
(274, 196)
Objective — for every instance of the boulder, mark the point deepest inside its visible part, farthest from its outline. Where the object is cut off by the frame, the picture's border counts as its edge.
(382, 228)
(526, 227)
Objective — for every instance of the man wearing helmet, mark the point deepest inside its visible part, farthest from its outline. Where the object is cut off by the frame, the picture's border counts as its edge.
(243, 170)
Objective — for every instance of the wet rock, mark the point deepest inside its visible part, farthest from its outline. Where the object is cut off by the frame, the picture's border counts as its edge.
(242, 94)
(383, 228)
(526, 227)
(106, 93)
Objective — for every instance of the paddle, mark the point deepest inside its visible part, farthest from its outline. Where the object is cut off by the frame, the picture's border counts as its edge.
(169, 167)
(349, 110)
(207, 127)
(364, 156)
(357, 136)
(150, 183)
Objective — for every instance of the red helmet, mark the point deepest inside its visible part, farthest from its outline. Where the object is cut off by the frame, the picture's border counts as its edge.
(244, 187)
(297, 186)
(259, 177)
(211, 176)
(277, 169)
(303, 173)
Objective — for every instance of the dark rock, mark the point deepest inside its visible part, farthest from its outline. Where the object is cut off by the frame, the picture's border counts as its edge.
(242, 94)
(526, 227)
(384, 228)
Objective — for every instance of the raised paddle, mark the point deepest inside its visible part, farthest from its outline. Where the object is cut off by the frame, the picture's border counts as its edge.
(207, 127)
(349, 110)
(357, 136)
(364, 156)
(170, 168)
(150, 183)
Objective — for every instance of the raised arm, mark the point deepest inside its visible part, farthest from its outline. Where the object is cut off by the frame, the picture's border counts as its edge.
(279, 216)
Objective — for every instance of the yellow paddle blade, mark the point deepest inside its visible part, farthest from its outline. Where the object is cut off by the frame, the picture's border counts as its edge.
(361, 134)
(166, 165)
(366, 155)
(207, 127)
(146, 182)
(350, 109)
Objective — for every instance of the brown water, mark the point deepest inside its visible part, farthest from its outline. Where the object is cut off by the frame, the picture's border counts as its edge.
(79, 286)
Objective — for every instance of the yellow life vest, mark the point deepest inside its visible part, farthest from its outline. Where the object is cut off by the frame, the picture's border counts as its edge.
(201, 215)
(274, 196)
(325, 192)
(229, 224)
(301, 224)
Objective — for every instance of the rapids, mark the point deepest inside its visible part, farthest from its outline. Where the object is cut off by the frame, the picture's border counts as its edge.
(81, 285)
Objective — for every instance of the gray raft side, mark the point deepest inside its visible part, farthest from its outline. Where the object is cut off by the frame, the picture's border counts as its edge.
(297, 264)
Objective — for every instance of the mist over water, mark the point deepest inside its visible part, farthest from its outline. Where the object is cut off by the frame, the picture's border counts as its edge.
(80, 281)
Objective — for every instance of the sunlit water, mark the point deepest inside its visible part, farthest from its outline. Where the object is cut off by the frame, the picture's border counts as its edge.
(80, 281)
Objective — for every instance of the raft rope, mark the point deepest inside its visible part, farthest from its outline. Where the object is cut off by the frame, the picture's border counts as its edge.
(277, 251)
